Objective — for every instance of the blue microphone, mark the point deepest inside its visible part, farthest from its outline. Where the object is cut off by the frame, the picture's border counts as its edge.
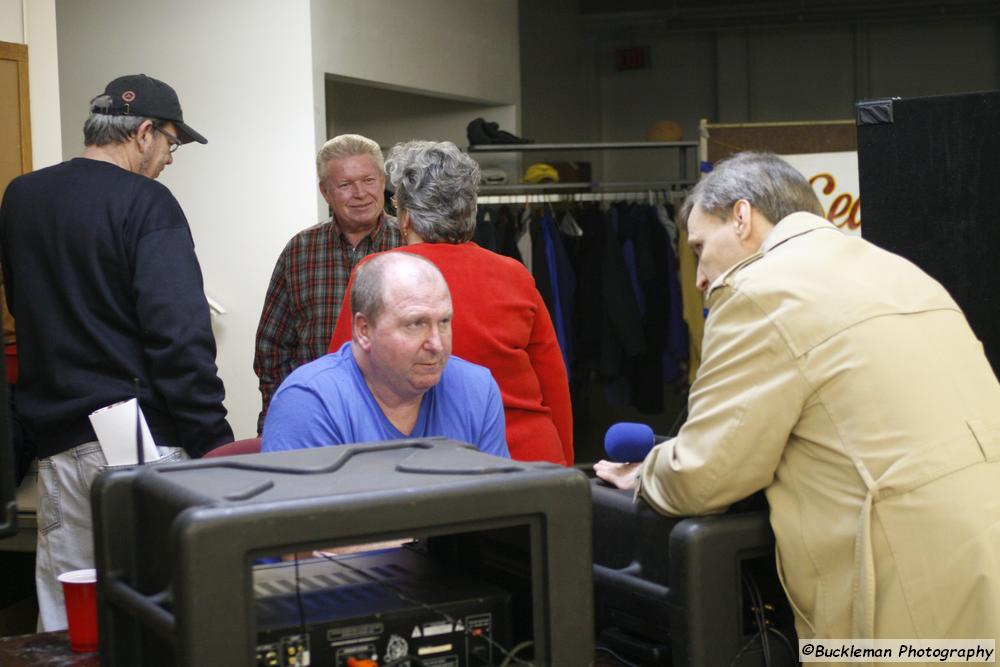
(629, 442)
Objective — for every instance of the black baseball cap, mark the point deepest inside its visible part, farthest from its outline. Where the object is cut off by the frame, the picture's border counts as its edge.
(141, 95)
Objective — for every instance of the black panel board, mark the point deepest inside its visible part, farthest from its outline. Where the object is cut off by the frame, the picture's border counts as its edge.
(929, 183)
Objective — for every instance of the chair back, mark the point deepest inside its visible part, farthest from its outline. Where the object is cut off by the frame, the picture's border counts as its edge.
(245, 446)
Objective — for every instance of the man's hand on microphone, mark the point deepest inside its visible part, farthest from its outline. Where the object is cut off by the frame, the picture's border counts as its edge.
(621, 475)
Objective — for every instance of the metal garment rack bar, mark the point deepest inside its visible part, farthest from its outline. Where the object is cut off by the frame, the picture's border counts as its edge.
(682, 148)
(581, 187)
(651, 196)
(591, 146)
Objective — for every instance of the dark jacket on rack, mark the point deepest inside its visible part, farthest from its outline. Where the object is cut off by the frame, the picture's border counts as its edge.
(607, 319)
(554, 277)
(507, 229)
(628, 323)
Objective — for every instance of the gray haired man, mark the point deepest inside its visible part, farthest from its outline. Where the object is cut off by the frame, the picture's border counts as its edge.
(101, 275)
(311, 274)
(846, 383)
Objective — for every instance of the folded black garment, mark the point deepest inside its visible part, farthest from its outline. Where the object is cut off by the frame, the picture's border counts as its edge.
(482, 132)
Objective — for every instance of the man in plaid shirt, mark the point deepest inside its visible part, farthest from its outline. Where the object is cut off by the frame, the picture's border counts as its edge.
(311, 275)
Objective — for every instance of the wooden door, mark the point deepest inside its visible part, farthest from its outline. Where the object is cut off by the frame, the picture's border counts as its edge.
(15, 131)
(15, 122)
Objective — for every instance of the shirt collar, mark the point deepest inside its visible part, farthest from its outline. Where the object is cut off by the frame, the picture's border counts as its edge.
(374, 236)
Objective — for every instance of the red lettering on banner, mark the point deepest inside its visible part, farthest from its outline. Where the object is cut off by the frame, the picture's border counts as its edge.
(845, 210)
(831, 183)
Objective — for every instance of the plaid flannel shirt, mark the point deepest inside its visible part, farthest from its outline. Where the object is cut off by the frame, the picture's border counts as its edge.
(304, 297)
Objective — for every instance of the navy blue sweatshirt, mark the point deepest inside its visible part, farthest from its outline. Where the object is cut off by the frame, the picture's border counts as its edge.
(103, 282)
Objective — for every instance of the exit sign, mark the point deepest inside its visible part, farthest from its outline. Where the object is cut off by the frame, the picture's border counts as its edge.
(634, 57)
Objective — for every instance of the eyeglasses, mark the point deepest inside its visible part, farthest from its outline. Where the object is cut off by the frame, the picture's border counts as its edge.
(173, 141)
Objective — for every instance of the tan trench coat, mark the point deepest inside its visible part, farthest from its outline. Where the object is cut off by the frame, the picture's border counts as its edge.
(848, 384)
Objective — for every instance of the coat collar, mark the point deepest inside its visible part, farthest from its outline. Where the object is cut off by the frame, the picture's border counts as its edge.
(789, 227)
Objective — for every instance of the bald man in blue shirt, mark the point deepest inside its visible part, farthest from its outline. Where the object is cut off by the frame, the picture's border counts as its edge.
(396, 378)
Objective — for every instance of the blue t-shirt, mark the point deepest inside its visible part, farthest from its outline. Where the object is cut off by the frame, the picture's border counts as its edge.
(328, 402)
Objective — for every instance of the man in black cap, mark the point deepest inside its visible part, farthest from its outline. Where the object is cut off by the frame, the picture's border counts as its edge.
(101, 276)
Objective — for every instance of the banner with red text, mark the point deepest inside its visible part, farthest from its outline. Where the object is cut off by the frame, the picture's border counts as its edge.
(834, 177)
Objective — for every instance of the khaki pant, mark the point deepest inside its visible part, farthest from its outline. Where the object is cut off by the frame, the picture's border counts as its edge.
(65, 526)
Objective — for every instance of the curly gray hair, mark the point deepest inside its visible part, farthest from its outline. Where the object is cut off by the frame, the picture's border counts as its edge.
(771, 185)
(436, 184)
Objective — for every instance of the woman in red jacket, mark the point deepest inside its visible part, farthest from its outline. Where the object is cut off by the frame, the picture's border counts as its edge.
(500, 320)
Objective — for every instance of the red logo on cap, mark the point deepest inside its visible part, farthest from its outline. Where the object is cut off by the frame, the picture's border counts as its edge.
(128, 96)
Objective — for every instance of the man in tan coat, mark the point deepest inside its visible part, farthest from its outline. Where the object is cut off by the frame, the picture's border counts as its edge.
(847, 383)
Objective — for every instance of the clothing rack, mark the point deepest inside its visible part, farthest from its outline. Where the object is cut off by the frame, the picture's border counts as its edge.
(587, 191)
(650, 196)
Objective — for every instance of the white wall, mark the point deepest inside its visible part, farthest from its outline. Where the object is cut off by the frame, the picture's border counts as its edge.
(468, 50)
(419, 70)
(243, 71)
(392, 115)
(448, 60)
(33, 22)
(11, 22)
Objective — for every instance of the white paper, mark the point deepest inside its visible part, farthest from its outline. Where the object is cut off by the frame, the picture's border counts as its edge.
(115, 429)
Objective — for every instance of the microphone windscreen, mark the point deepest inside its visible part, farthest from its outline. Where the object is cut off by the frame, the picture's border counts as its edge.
(628, 441)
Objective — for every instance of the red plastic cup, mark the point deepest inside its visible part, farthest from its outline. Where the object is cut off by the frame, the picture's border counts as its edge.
(80, 592)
